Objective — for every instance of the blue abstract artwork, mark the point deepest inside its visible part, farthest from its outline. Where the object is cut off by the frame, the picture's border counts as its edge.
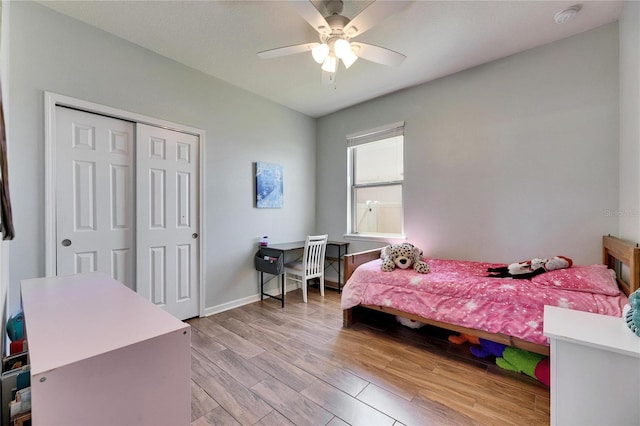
(269, 194)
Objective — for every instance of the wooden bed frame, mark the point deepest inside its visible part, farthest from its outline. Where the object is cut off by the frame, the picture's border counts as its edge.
(615, 252)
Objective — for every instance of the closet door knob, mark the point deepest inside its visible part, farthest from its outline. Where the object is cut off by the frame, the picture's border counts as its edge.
(194, 235)
(66, 242)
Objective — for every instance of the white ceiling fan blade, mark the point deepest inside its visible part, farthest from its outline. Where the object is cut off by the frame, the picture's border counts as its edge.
(371, 15)
(378, 54)
(288, 50)
(309, 13)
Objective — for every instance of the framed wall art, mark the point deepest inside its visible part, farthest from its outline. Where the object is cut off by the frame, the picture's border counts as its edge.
(269, 188)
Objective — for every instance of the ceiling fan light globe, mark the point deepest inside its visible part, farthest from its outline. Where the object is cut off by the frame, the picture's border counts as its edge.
(341, 48)
(320, 53)
(330, 64)
(349, 59)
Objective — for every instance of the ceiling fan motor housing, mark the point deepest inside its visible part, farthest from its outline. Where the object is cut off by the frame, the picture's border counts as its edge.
(337, 23)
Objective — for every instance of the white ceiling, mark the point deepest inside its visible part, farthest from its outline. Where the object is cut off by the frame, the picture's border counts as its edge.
(221, 38)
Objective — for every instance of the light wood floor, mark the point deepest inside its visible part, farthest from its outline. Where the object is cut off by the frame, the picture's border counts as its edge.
(263, 365)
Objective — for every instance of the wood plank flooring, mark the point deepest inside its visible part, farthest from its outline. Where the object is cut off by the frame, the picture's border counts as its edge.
(263, 365)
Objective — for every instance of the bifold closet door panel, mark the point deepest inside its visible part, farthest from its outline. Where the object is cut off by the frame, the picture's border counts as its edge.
(167, 220)
(94, 195)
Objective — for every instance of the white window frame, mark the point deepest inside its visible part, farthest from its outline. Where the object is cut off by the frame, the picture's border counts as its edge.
(360, 138)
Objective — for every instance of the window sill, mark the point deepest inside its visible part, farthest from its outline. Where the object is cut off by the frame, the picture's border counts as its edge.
(383, 238)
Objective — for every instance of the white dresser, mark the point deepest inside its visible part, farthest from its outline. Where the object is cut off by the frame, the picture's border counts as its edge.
(595, 369)
(102, 355)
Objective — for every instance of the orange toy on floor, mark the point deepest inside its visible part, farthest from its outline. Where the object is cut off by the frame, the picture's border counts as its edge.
(458, 340)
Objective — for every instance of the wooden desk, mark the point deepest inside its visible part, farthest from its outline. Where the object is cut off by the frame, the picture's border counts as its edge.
(103, 355)
(296, 245)
(334, 253)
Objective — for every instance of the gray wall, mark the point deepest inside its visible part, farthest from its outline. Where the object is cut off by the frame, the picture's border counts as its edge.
(629, 211)
(50, 52)
(514, 159)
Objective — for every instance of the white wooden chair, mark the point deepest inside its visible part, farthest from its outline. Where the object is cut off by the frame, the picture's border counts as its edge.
(311, 266)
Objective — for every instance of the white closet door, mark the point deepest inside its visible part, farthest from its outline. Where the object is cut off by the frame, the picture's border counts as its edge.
(94, 195)
(167, 232)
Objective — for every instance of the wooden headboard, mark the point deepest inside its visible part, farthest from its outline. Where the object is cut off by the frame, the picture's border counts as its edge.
(615, 251)
(353, 260)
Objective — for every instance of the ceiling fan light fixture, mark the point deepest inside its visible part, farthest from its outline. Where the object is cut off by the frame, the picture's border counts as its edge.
(341, 48)
(320, 53)
(349, 59)
(330, 64)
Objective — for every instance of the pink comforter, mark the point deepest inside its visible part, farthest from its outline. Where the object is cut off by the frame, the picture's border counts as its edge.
(458, 292)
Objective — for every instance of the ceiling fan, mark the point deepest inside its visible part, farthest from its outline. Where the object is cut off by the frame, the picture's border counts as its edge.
(336, 33)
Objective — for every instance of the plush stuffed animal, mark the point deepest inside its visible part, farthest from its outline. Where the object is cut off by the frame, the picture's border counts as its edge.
(409, 322)
(403, 256)
(530, 268)
(514, 359)
(631, 312)
(462, 338)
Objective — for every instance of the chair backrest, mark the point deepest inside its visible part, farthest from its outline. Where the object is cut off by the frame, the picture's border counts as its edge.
(314, 250)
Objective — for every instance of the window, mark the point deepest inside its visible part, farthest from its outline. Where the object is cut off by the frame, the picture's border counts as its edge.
(376, 175)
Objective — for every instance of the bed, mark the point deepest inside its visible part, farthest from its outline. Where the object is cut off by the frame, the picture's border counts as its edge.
(457, 295)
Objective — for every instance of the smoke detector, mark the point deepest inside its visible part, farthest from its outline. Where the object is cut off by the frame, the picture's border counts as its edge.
(567, 14)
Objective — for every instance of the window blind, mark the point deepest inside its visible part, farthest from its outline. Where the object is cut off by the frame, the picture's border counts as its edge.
(379, 133)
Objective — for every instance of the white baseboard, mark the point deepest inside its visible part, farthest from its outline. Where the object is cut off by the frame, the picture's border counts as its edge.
(245, 300)
(230, 305)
